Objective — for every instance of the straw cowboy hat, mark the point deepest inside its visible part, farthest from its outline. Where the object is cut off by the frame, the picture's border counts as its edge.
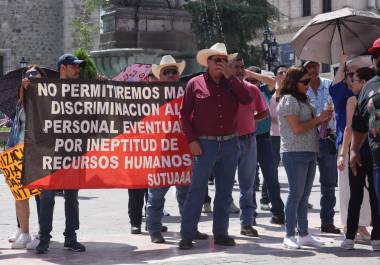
(166, 61)
(216, 49)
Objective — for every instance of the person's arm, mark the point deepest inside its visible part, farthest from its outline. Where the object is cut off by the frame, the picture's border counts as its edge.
(261, 115)
(299, 127)
(240, 90)
(266, 79)
(340, 74)
(350, 108)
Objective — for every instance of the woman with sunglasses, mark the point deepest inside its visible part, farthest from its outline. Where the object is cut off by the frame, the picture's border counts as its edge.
(21, 239)
(364, 172)
(299, 147)
(341, 94)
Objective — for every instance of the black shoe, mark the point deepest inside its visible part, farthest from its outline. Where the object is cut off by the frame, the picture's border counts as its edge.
(248, 230)
(224, 241)
(201, 236)
(163, 229)
(330, 228)
(43, 246)
(135, 230)
(185, 244)
(309, 206)
(278, 220)
(74, 245)
(157, 238)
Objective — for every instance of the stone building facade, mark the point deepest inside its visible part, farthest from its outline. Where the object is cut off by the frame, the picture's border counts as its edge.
(40, 31)
(296, 13)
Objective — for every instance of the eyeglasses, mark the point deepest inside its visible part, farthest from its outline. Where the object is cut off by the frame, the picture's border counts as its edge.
(281, 73)
(30, 74)
(218, 60)
(170, 72)
(305, 81)
(376, 55)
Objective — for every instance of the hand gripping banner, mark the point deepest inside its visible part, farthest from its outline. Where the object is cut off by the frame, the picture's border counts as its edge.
(104, 134)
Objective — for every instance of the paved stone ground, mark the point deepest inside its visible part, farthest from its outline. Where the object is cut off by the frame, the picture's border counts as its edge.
(105, 232)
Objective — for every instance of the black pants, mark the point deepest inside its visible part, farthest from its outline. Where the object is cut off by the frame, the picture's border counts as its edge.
(357, 186)
(136, 205)
(47, 201)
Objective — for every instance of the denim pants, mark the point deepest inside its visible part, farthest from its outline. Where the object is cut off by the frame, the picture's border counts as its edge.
(276, 141)
(221, 158)
(47, 201)
(300, 169)
(155, 206)
(376, 184)
(247, 162)
(270, 173)
(328, 172)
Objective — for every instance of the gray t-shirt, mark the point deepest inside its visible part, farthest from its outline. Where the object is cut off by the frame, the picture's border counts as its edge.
(305, 142)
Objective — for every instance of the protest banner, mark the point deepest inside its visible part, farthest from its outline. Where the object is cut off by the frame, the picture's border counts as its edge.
(11, 166)
(104, 134)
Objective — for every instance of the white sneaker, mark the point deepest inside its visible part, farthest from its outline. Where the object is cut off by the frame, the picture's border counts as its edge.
(348, 244)
(375, 245)
(15, 235)
(291, 243)
(207, 208)
(310, 241)
(234, 208)
(34, 243)
(21, 241)
(265, 207)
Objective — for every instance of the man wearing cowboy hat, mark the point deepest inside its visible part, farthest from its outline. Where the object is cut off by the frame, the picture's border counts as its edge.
(209, 122)
(167, 71)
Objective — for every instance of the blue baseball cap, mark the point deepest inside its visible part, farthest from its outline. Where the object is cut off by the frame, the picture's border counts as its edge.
(69, 59)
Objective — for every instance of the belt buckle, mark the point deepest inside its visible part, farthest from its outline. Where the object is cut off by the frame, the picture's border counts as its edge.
(219, 138)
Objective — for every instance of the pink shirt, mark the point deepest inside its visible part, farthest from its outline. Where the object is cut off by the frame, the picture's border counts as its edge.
(274, 129)
(246, 120)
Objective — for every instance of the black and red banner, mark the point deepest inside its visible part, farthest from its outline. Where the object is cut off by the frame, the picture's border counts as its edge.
(104, 134)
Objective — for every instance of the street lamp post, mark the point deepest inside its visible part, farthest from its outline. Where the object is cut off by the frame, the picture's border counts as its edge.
(23, 63)
(270, 48)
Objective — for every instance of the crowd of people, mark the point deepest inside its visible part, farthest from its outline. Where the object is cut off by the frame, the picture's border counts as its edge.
(237, 119)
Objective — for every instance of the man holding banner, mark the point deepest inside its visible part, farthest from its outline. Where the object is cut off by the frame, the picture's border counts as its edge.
(209, 121)
(167, 71)
(69, 68)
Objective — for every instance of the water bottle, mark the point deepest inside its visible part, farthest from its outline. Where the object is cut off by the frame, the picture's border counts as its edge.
(323, 128)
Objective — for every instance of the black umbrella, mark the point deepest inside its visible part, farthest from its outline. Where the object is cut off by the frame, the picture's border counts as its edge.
(9, 85)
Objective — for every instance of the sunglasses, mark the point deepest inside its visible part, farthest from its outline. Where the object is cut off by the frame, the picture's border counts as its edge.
(218, 60)
(170, 72)
(304, 82)
(281, 73)
(30, 74)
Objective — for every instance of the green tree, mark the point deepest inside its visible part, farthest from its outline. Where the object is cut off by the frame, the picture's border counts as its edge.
(88, 70)
(233, 22)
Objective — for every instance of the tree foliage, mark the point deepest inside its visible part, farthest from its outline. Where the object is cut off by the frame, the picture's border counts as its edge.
(88, 70)
(233, 22)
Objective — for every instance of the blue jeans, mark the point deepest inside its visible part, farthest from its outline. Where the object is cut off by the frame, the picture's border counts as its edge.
(221, 158)
(47, 202)
(300, 169)
(329, 179)
(376, 184)
(270, 173)
(155, 206)
(247, 162)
